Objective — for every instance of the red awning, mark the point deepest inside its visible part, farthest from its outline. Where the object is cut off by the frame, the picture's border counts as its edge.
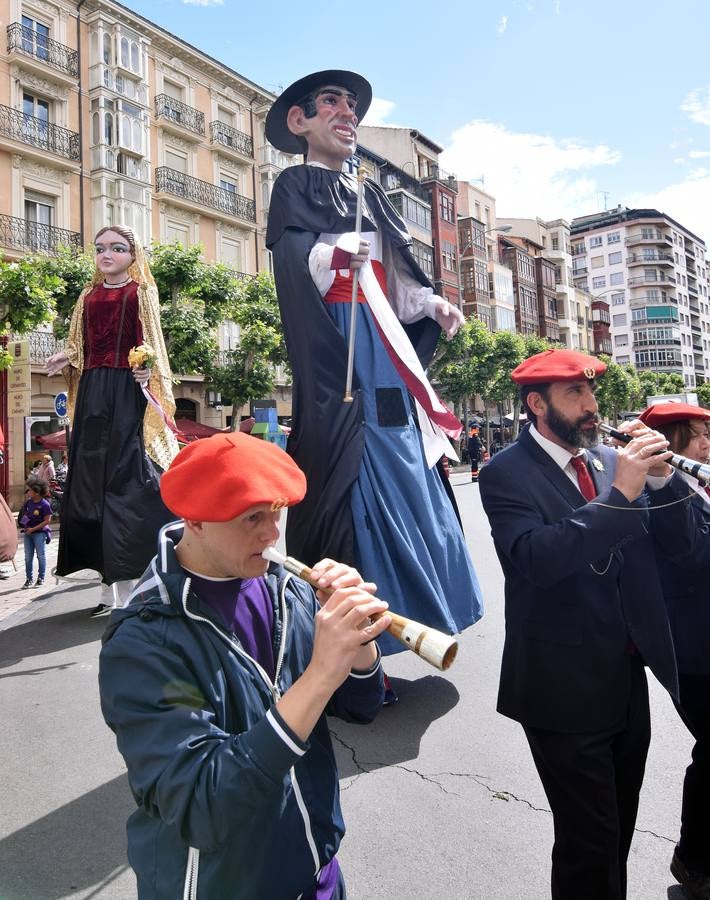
(55, 441)
(186, 432)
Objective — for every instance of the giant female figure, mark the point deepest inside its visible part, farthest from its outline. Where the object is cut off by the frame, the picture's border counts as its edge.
(112, 509)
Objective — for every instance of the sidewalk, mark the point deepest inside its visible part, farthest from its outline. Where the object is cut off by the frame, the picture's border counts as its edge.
(13, 598)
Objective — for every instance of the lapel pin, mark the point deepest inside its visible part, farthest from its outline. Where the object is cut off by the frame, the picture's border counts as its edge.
(597, 463)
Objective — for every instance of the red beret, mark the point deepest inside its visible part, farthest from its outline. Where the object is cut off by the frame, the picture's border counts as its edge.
(665, 413)
(218, 478)
(557, 365)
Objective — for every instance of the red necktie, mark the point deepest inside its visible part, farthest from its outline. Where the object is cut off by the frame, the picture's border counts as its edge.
(707, 490)
(584, 479)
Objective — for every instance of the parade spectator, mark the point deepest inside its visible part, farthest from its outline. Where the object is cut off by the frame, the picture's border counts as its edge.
(121, 442)
(375, 497)
(63, 468)
(584, 612)
(216, 679)
(45, 470)
(684, 567)
(34, 518)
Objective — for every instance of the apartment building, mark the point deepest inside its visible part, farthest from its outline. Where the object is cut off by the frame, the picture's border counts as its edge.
(475, 285)
(654, 272)
(107, 118)
(575, 309)
(413, 154)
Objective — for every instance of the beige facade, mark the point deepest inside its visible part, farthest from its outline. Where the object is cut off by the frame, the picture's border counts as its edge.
(165, 140)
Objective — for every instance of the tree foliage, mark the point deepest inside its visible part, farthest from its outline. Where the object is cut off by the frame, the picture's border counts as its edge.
(27, 297)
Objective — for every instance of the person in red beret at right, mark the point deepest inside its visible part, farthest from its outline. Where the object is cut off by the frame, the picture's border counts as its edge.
(684, 567)
(216, 677)
(584, 611)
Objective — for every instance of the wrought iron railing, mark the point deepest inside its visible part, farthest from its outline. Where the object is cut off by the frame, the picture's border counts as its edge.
(38, 133)
(173, 182)
(634, 258)
(180, 113)
(27, 40)
(21, 234)
(436, 173)
(230, 137)
(42, 344)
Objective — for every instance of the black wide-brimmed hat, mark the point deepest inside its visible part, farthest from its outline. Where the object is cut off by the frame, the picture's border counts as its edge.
(277, 131)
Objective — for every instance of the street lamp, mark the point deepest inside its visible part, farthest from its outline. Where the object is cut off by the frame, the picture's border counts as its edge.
(502, 229)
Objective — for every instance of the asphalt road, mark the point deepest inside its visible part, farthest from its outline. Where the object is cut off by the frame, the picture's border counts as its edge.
(439, 794)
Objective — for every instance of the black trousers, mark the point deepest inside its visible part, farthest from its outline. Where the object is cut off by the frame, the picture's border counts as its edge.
(592, 782)
(694, 709)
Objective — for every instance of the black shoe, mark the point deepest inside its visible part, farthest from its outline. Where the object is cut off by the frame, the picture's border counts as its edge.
(39, 582)
(100, 610)
(27, 584)
(696, 884)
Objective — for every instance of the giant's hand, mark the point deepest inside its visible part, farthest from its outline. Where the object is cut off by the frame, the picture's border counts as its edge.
(449, 317)
(141, 376)
(56, 363)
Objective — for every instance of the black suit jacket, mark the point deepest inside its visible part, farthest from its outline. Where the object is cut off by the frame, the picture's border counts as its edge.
(580, 584)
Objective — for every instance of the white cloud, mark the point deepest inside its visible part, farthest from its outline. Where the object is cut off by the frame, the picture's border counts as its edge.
(688, 202)
(502, 25)
(529, 174)
(557, 7)
(379, 111)
(699, 154)
(697, 105)
(203, 2)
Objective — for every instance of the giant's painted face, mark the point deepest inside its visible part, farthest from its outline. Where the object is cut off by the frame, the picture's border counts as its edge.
(330, 133)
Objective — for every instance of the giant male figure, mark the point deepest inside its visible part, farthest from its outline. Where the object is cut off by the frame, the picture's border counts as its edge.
(374, 492)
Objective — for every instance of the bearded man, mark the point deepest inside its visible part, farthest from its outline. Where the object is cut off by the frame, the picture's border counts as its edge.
(584, 611)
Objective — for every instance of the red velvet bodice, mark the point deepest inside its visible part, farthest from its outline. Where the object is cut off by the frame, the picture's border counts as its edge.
(103, 346)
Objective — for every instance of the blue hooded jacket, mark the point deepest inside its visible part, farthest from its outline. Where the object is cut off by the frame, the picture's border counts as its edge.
(231, 804)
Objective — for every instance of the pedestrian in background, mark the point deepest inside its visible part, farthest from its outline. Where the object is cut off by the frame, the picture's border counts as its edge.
(45, 470)
(34, 519)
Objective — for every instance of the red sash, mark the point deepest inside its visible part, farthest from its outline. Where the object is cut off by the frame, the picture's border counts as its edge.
(341, 291)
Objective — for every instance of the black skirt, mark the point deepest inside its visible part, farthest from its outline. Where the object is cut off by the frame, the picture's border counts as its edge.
(111, 510)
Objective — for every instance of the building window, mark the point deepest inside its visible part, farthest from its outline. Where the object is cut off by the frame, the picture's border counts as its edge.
(619, 320)
(618, 299)
(595, 241)
(615, 258)
(448, 255)
(555, 242)
(613, 237)
(622, 360)
(35, 38)
(599, 281)
(176, 232)
(446, 205)
(231, 253)
(424, 256)
(616, 278)
(229, 184)
(39, 208)
(597, 262)
(621, 340)
(174, 159)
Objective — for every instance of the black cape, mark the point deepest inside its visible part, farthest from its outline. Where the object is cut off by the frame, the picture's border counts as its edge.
(327, 437)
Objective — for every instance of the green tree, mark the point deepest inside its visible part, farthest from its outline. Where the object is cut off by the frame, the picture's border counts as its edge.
(176, 270)
(464, 365)
(672, 383)
(703, 392)
(615, 389)
(27, 298)
(249, 371)
(508, 352)
(190, 343)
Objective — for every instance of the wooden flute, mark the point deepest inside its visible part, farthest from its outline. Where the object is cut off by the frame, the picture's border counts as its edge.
(434, 646)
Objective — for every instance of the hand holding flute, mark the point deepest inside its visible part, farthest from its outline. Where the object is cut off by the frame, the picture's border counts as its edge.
(646, 453)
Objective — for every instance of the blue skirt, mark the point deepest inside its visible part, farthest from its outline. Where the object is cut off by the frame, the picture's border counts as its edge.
(407, 537)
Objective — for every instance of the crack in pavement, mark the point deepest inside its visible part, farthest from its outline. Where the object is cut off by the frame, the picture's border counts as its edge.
(478, 779)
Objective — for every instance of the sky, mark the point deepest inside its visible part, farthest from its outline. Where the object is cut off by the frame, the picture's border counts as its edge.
(562, 107)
